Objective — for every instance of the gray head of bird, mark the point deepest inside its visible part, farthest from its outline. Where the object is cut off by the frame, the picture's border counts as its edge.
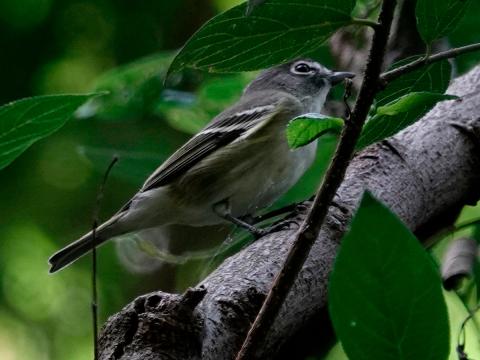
(306, 79)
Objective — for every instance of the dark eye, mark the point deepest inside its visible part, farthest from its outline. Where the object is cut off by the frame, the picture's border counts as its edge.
(302, 68)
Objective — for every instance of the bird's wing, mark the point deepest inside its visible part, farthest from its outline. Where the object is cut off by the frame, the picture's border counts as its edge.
(218, 133)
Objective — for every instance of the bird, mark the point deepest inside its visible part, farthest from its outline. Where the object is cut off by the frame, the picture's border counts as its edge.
(239, 163)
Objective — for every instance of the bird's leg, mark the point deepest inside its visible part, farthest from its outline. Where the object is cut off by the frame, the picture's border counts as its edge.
(291, 211)
(222, 209)
(286, 210)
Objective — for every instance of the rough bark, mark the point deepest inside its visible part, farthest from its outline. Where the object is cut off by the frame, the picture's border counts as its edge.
(423, 174)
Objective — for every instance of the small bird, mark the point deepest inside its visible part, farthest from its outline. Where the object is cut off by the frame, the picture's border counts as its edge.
(238, 163)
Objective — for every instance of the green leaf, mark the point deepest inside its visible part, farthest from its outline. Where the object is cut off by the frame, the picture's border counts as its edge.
(476, 232)
(413, 101)
(476, 277)
(397, 115)
(26, 121)
(457, 314)
(308, 127)
(432, 78)
(385, 292)
(132, 89)
(437, 18)
(369, 8)
(276, 31)
(336, 353)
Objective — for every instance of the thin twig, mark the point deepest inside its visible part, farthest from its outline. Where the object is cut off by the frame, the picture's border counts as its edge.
(416, 64)
(285, 210)
(309, 230)
(94, 258)
(461, 340)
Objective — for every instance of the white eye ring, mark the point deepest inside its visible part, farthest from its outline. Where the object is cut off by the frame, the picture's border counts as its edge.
(302, 68)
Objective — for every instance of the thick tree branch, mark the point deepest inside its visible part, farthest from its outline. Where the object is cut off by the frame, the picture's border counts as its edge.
(317, 214)
(421, 173)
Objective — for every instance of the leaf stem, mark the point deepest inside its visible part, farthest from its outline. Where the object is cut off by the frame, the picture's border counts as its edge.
(309, 230)
(365, 22)
(466, 224)
(388, 76)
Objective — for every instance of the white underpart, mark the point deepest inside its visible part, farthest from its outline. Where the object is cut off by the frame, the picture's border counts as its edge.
(318, 101)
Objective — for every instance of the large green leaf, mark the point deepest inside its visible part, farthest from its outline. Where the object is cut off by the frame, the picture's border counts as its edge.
(385, 295)
(275, 32)
(308, 127)
(432, 78)
(457, 313)
(26, 121)
(397, 115)
(437, 18)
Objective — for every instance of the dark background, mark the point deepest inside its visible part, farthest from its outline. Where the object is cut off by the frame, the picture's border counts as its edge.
(48, 194)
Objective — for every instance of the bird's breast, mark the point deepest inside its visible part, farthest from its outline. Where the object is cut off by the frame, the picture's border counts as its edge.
(277, 169)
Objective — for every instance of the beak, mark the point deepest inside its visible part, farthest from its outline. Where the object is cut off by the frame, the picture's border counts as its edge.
(337, 77)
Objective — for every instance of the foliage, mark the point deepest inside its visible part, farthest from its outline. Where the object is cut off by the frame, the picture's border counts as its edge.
(28, 120)
(385, 291)
(131, 90)
(391, 118)
(457, 313)
(306, 128)
(466, 33)
(234, 41)
(439, 18)
(431, 78)
(386, 121)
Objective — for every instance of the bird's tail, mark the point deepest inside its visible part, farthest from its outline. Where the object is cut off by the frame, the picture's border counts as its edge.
(77, 249)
